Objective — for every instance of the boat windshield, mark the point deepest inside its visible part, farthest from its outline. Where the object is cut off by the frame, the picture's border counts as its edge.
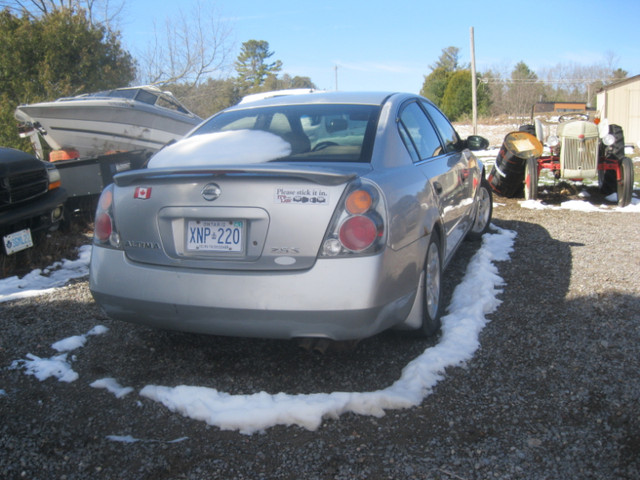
(171, 103)
(163, 100)
(315, 132)
(127, 93)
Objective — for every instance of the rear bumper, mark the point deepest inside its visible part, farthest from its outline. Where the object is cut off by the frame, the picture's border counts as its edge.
(339, 299)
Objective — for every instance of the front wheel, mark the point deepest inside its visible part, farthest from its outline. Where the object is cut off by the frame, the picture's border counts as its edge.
(432, 307)
(625, 184)
(484, 210)
(531, 179)
(607, 181)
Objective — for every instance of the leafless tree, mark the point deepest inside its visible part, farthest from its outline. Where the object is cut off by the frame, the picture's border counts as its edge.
(187, 49)
(99, 12)
(574, 82)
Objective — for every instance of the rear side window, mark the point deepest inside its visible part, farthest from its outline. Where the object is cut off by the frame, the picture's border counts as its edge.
(418, 133)
(444, 127)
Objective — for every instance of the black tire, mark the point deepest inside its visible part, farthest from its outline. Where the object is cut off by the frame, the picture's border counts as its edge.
(607, 181)
(625, 184)
(484, 211)
(432, 293)
(531, 179)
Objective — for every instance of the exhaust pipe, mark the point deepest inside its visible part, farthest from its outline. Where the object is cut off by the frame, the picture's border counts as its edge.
(322, 345)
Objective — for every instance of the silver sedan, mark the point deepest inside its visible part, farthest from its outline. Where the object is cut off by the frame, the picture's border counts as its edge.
(326, 215)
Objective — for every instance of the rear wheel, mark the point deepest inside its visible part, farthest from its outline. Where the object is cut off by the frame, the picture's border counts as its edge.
(531, 179)
(432, 288)
(625, 184)
(484, 210)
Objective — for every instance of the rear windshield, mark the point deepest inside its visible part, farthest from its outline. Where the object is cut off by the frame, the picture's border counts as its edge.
(328, 133)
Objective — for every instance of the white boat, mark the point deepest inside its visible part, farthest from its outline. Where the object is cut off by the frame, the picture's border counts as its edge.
(124, 119)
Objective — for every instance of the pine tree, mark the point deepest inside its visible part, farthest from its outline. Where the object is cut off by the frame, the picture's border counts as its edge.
(252, 67)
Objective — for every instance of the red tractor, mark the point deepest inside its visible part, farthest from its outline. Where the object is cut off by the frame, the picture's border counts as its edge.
(580, 150)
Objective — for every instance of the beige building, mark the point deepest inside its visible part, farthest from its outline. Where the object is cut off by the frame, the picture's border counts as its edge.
(619, 103)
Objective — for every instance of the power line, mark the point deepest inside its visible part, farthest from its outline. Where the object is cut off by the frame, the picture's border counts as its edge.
(574, 81)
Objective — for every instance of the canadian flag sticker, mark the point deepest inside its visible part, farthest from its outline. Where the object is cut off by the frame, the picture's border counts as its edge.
(142, 192)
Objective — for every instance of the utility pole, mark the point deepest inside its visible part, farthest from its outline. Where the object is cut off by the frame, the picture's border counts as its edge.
(474, 95)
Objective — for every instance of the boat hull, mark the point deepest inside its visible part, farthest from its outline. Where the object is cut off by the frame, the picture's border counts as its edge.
(94, 127)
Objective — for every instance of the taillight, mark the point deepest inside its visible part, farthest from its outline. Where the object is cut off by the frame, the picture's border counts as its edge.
(357, 226)
(358, 233)
(358, 201)
(105, 233)
(103, 228)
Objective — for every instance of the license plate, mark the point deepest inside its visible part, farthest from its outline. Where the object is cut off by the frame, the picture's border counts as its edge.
(14, 242)
(215, 235)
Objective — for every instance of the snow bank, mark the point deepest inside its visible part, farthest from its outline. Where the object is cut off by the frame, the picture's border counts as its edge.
(460, 339)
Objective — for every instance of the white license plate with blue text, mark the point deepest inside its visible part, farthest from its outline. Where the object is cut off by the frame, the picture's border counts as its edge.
(215, 235)
(17, 241)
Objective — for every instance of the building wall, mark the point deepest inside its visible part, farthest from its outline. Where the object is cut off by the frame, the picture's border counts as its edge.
(620, 104)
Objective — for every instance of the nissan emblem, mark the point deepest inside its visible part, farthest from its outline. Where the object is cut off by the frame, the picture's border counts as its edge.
(211, 191)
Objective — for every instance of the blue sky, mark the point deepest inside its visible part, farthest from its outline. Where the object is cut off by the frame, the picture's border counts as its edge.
(390, 45)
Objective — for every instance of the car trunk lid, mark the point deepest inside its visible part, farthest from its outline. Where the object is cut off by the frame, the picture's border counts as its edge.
(262, 217)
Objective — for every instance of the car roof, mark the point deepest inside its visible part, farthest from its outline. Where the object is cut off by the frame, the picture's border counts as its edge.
(362, 98)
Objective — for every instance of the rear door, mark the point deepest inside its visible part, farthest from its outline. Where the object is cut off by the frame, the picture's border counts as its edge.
(437, 157)
(465, 169)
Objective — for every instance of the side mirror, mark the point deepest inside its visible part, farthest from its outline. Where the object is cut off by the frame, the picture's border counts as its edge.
(476, 142)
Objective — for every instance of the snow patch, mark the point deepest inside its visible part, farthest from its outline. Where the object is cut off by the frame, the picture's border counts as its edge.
(130, 439)
(77, 341)
(580, 206)
(70, 343)
(39, 282)
(57, 366)
(111, 385)
(43, 368)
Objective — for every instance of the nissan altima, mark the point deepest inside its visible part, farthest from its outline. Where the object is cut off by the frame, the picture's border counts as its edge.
(328, 215)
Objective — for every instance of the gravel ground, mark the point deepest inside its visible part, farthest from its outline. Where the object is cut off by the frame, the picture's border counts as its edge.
(552, 393)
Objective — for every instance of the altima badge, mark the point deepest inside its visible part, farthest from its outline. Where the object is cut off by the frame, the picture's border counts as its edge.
(210, 192)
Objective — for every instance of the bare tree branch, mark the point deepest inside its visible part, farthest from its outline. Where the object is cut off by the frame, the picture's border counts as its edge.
(189, 50)
(99, 12)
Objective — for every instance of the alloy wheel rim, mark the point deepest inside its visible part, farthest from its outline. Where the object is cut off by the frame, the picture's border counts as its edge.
(482, 217)
(432, 283)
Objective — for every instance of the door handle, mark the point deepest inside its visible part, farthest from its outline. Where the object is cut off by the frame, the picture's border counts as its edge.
(437, 187)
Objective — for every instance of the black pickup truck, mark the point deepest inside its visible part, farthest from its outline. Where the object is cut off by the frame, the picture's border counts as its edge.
(31, 198)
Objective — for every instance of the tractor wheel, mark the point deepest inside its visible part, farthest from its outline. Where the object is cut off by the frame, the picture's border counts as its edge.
(607, 181)
(531, 179)
(625, 184)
